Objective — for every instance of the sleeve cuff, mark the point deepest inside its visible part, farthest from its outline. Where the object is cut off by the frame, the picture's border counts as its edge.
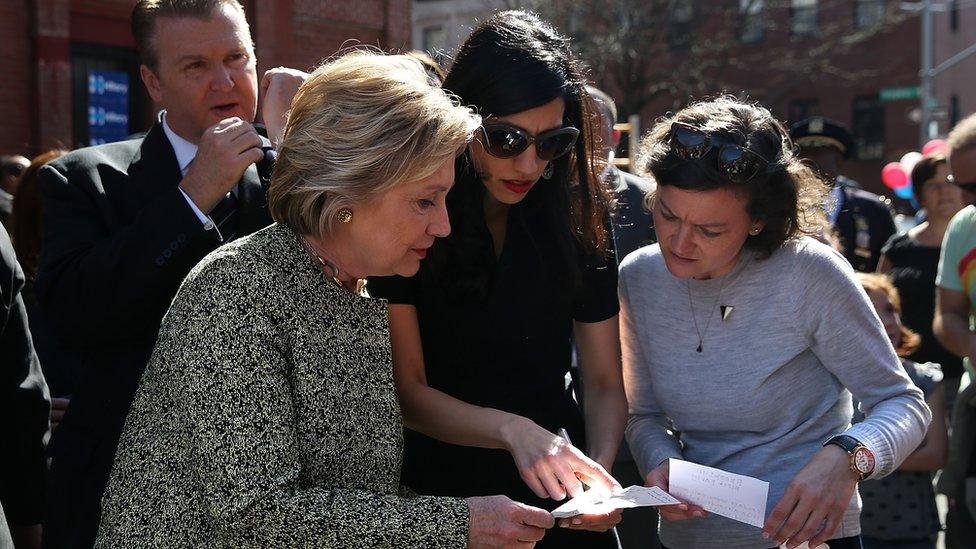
(204, 218)
(874, 441)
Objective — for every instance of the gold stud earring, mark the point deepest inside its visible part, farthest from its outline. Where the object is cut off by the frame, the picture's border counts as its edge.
(344, 215)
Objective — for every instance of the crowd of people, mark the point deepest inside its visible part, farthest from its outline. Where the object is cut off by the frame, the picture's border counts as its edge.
(419, 308)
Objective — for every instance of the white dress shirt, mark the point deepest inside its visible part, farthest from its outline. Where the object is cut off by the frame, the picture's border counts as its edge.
(185, 153)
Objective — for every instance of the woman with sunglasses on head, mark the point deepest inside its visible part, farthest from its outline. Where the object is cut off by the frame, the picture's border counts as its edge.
(482, 334)
(743, 338)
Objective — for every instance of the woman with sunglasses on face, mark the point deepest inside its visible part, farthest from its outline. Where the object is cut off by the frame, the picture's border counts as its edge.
(743, 339)
(482, 334)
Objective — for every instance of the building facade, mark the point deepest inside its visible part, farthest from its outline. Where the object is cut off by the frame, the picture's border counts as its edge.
(955, 88)
(439, 26)
(856, 61)
(71, 72)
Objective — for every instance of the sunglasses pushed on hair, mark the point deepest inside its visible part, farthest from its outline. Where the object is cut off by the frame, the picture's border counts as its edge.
(738, 163)
(506, 141)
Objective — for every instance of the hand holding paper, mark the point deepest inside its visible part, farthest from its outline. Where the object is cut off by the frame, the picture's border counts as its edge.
(734, 496)
(597, 502)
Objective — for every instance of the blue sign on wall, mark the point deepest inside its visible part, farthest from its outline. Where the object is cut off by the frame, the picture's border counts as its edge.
(108, 106)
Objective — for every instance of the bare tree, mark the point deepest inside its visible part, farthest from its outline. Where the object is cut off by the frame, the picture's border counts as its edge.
(649, 52)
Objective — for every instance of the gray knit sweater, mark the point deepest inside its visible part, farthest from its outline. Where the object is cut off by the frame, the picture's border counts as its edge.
(774, 379)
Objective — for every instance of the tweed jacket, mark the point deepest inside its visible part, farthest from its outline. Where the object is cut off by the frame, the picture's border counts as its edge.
(267, 417)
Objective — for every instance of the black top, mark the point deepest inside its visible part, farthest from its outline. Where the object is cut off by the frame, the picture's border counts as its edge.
(24, 404)
(507, 349)
(913, 271)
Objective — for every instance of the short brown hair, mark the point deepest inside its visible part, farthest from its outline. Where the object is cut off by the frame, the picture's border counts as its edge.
(787, 196)
(147, 12)
(874, 282)
(925, 170)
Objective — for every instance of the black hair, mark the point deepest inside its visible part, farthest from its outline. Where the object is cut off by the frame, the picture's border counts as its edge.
(513, 62)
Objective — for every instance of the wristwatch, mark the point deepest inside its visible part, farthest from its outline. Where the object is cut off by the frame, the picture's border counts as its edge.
(862, 458)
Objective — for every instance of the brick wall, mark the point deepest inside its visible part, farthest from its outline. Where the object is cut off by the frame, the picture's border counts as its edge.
(889, 58)
(18, 75)
(35, 96)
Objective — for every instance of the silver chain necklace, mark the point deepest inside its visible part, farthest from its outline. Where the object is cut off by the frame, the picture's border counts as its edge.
(691, 304)
(724, 310)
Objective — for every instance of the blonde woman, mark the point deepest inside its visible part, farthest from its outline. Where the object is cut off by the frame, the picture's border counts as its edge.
(267, 416)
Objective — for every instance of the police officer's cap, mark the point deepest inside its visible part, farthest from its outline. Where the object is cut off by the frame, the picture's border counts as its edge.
(822, 132)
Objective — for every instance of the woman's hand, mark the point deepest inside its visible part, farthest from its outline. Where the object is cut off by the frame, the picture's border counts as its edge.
(595, 522)
(682, 511)
(815, 500)
(496, 521)
(551, 466)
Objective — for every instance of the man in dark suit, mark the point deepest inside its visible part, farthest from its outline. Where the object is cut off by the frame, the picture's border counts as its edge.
(24, 409)
(125, 222)
(633, 227)
(10, 169)
(863, 222)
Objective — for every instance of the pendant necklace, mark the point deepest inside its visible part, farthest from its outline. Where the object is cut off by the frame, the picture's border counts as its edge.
(691, 304)
(725, 311)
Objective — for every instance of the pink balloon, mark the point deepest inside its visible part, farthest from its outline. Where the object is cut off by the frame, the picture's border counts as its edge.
(893, 175)
(935, 146)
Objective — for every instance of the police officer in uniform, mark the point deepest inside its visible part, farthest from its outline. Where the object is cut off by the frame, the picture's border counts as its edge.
(862, 222)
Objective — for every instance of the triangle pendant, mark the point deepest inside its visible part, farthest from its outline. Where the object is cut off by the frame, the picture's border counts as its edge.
(726, 311)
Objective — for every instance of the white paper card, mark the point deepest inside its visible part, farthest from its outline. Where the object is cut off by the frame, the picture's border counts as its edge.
(806, 545)
(734, 496)
(593, 501)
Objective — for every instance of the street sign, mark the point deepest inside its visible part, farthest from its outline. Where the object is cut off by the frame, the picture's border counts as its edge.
(899, 94)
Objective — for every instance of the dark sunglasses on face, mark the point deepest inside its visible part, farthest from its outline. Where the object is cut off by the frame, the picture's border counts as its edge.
(738, 163)
(968, 187)
(506, 141)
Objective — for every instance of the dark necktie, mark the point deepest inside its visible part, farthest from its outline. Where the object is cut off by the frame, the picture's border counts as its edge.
(224, 215)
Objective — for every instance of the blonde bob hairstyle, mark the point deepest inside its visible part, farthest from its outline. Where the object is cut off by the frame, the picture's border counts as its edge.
(362, 124)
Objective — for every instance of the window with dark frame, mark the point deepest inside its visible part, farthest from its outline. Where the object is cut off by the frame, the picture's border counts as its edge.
(954, 15)
(803, 17)
(868, 13)
(868, 128)
(753, 26)
(681, 16)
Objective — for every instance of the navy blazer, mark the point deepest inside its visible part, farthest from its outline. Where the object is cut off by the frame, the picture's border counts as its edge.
(864, 224)
(118, 239)
(633, 226)
(24, 406)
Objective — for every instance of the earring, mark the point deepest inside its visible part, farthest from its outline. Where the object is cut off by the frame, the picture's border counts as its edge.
(547, 173)
(344, 215)
(755, 231)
